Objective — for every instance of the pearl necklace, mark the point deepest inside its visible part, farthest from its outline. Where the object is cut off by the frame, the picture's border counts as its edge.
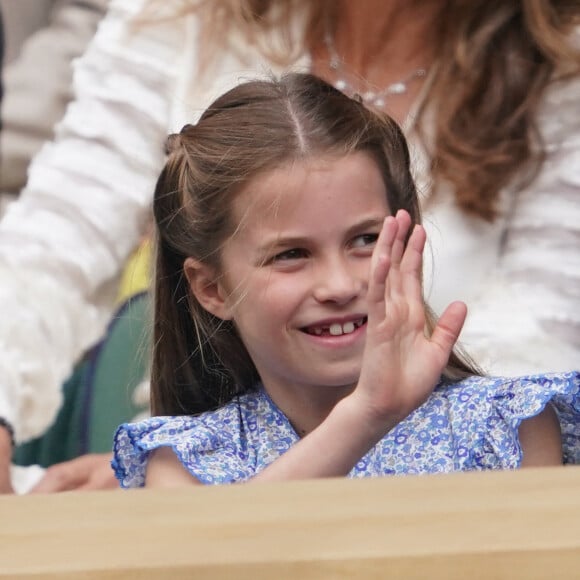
(375, 98)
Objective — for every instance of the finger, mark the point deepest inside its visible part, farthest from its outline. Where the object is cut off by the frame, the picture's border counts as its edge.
(380, 265)
(449, 326)
(412, 260)
(103, 477)
(59, 477)
(403, 222)
(412, 264)
(101, 481)
(394, 285)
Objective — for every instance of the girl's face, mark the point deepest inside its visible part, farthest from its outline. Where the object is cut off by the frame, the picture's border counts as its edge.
(295, 273)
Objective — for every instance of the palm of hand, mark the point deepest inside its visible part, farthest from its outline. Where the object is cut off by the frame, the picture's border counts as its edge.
(402, 363)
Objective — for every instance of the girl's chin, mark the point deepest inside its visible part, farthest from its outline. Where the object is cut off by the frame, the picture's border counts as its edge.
(344, 387)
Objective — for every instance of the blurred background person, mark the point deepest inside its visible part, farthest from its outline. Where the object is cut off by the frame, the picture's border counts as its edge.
(43, 37)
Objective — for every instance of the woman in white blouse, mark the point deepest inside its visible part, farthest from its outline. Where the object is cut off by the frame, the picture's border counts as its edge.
(487, 93)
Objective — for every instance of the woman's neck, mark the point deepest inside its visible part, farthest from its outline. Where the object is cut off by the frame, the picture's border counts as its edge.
(380, 43)
(378, 34)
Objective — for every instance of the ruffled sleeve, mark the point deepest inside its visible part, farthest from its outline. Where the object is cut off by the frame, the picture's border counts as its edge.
(211, 447)
(511, 401)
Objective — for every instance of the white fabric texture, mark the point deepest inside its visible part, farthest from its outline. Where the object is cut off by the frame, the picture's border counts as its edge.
(520, 276)
(23, 479)
(42, 35)
(63, 245)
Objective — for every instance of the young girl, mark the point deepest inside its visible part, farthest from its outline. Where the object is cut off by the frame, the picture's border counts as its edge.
(291, 335)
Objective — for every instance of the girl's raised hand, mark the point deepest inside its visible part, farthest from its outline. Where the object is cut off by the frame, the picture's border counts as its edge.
(401, 363)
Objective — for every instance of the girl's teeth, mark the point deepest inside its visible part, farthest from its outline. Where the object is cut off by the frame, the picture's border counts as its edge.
(348, 328)
(335, 329)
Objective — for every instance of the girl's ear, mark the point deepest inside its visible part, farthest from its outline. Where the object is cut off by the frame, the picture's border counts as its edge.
(204, 284)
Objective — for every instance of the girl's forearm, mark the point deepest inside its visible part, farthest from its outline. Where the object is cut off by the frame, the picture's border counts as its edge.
(333, 448)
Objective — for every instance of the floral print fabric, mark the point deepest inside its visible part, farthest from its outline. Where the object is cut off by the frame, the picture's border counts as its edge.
(469, 425)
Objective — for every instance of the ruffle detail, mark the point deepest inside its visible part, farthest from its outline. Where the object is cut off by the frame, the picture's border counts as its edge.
(514, 400)
(211, 455)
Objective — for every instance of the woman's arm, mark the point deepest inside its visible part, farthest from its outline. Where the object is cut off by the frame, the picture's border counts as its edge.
(64, 242)
(5, 456)
(34, 102)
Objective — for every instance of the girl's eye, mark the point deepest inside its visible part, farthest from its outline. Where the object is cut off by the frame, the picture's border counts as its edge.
(364, 240)
(289, 255)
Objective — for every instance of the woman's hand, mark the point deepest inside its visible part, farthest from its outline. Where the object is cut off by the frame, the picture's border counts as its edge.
(401, 364)
(87, 472)
(5, 458)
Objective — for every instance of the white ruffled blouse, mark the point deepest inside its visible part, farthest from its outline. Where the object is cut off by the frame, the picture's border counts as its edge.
(64, 243)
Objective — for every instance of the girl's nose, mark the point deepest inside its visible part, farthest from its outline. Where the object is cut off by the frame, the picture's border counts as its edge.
(338, 282)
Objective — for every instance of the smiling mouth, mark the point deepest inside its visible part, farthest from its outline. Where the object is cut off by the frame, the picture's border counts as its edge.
(335, 329)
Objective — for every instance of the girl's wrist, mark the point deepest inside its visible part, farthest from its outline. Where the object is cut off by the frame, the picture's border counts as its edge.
(372, 423)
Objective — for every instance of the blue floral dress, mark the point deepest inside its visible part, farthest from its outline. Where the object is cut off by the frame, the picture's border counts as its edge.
(469, 425)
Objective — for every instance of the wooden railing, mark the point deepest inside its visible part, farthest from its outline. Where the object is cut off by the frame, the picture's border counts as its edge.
(511, 525)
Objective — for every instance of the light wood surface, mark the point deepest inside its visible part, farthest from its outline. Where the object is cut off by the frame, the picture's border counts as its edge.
(511, 525)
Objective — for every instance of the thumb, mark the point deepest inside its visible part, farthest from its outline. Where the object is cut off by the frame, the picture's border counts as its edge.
(449, 326)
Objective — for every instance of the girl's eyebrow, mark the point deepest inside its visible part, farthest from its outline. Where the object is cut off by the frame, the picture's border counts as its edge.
(374, 222)
(296, 241)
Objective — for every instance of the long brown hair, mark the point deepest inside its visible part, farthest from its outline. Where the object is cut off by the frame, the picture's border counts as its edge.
(494, 61)
(199, 361)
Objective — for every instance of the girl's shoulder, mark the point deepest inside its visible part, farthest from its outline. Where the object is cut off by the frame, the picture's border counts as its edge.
(212, 446)
(491, 409)
(527, 392)
(473, 425)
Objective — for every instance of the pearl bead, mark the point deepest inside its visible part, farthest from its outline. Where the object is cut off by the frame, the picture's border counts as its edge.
(397, 88)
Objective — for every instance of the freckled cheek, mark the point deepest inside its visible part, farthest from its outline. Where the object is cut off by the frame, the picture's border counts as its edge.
(260, 296)
(281, 300)
(286, 290)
